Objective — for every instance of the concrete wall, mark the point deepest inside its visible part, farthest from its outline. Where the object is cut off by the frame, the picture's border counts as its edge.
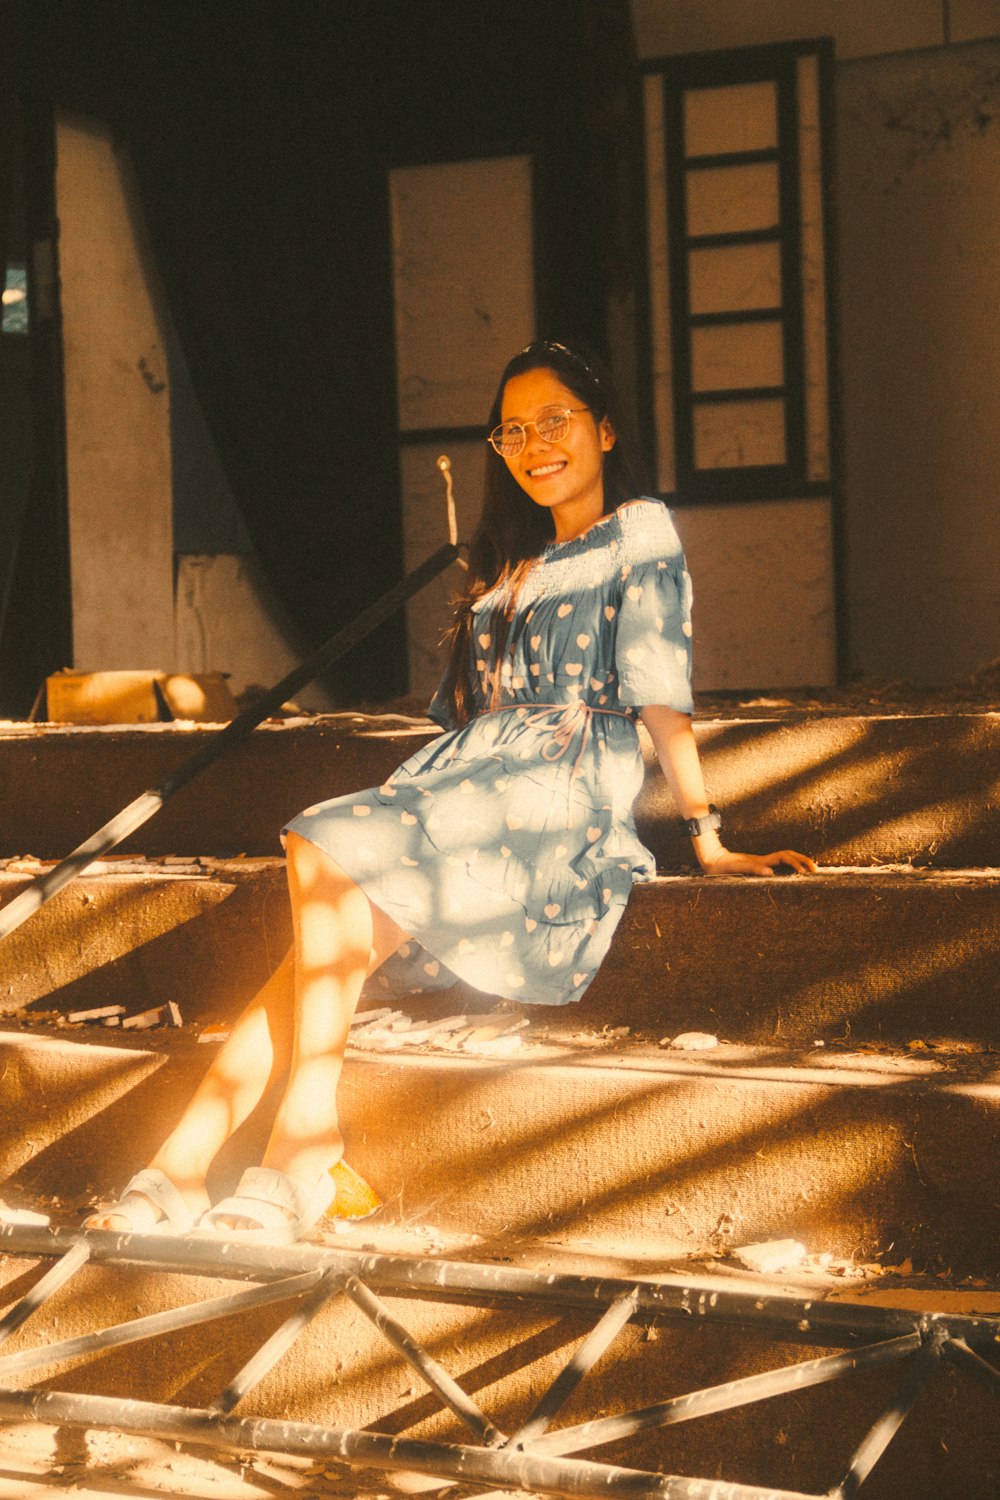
(919, 165)
(117, 414)
(917, 133)
(127, 609)
(860, 28)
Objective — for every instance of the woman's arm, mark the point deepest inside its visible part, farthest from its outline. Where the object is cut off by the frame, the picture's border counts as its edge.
(677, 752)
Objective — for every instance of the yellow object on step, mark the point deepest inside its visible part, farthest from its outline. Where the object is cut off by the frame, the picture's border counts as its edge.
(355, 1198)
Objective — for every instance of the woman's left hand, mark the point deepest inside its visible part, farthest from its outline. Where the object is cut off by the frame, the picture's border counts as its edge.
(726, 862)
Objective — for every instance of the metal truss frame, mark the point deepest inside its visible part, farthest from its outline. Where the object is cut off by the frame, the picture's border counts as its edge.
(537, 1457)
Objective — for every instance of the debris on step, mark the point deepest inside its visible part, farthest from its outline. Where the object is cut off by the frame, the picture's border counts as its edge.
(690, 1041)
(495, 1046)
(370, 1017)
(606, 1037)
(99, 1013)
(22, 1216)
(387, 1030)
(145, 1019)
(771, 1256)
(214, 1032)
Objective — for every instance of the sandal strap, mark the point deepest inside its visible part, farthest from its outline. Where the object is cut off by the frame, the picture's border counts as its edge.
(154, 1185)
(274, 1201)
(276, 1189)
(268, 1217)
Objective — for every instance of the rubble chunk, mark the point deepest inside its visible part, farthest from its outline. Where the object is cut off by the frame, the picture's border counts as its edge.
(770, 1256)
(691, 1041)
(145, 1019)
(99, 1013)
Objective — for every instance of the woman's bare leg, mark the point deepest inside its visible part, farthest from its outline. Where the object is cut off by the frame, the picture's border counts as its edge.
(258, 1047)
(297, 1025)
(339, 938)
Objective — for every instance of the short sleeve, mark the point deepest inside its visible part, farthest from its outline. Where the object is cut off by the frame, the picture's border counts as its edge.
(653, 643)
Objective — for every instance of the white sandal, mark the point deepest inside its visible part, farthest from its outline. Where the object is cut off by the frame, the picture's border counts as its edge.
(277, 1209)
(150, 1204)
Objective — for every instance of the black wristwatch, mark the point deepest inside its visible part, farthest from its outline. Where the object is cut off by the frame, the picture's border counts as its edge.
(708, 824)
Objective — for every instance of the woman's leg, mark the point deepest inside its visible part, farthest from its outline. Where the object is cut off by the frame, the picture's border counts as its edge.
(258, 1046)
(339, 939)
(334, 924)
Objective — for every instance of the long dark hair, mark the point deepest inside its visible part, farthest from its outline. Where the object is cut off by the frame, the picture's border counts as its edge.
(512, 529)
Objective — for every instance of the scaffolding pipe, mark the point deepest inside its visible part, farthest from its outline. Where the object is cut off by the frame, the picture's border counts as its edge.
(897, 1409)
(155, 1324)
(801, 1319)
(958, 1351)
(57, 1276)
(329, 1285)
(449, 1391)
(720, 1398)
(373, 1450)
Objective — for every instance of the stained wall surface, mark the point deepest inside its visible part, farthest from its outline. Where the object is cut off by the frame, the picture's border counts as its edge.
(917, 178)
(919, 163)
(117, 415)
(136, 604)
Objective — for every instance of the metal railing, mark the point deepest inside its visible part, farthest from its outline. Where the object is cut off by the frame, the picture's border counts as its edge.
(536, 1456)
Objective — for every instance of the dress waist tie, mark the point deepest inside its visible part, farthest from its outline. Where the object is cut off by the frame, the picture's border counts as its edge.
(574, 718)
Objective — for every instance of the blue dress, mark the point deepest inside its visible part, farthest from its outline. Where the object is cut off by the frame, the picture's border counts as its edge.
(507, 848)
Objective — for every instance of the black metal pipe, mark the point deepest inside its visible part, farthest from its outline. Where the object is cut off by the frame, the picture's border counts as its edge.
(147, 804)
(374, 1450)
(800, 1319)
(450, 1392)
(75, 1256)
(718, 1398)
(281, 1340)
(156, 1324)
(580, 1363)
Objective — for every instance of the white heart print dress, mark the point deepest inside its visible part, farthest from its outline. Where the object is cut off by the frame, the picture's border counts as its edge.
(507, 848)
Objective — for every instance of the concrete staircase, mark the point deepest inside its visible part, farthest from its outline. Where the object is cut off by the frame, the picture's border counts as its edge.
(853, 1101)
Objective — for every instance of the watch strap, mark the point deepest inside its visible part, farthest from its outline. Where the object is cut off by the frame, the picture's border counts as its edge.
(707, 824)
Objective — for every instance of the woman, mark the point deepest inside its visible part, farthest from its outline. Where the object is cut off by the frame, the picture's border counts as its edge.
(504, 851)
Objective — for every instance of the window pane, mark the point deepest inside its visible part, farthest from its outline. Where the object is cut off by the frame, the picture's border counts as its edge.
(739, 434)
(725, 200)
(735, 278)
(739, 117)
(729, 356)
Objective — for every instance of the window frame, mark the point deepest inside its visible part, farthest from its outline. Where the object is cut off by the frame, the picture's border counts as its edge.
(775, 64)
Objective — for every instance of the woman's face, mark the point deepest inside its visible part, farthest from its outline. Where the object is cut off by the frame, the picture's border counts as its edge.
(566, 477)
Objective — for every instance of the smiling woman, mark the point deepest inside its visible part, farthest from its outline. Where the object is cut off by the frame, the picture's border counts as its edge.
(502, 853)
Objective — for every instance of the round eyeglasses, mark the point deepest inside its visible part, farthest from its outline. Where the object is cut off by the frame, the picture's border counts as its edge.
(551, 424)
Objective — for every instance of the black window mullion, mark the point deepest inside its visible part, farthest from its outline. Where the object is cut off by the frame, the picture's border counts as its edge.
(776, 66)
(731, 159)
(740, 315)
(738, 393)
(680, 288)
(789, 200)
(733, 237)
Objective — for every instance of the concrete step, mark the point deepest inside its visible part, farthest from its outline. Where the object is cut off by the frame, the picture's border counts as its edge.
(850, 789)
(641, 1149)
(889, 955)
